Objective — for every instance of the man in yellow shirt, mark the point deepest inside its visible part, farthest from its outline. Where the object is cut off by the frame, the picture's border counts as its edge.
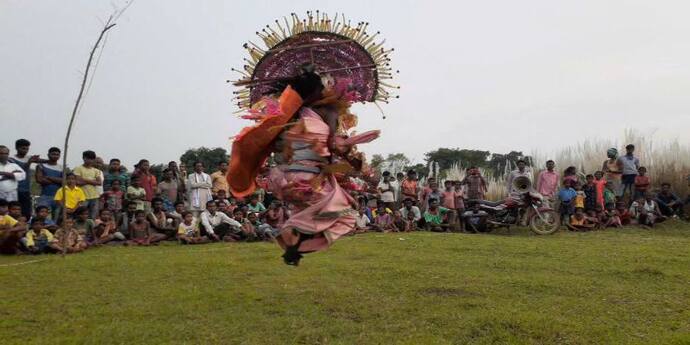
(218, 179)
(74, 196)
(90, 179)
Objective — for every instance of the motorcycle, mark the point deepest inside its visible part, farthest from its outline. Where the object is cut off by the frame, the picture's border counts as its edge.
(523, 207)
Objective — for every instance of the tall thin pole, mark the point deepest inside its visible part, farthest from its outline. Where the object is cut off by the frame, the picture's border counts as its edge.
(108, 25)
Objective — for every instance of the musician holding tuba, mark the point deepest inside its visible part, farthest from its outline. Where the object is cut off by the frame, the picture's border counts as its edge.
(519, 180)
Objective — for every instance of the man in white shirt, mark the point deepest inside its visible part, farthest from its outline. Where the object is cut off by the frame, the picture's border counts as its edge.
(217, 224)
(520, 171)
(10, 175)
(387, 191)
(410, 207)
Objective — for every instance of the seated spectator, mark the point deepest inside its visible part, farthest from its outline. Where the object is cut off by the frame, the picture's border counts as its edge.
(274, 218)
(217, 225)
(249, 227)
(383, 219)
(670, 205)
(580, 222)
(139, 230)
(475, 219)
(188, 231)
(105, 227)
(624, 214)
(84, 225)
(613, 219)
(74, 196)
(11, 231)
(15, 211)
(409, 207)
(177, 214)
(38, 238)
(362, 221)
(399, 223)
(68, 241)
(112, 199)
(435, 217)
(42, 213)
(127, 217)
(646, 211)
(136, 194)
(255, 205)
(159, 221)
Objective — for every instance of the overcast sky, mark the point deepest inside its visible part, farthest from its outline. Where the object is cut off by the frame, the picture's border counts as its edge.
(495, 75)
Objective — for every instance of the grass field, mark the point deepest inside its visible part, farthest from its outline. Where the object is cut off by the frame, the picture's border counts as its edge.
(629, 286)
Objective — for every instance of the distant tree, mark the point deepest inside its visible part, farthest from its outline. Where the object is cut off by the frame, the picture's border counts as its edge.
(210, 157)
(376, 161)
(397, 162)
(446, 158)
(499, 163)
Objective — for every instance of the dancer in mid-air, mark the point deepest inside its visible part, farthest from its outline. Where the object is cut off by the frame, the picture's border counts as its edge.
(300, 91)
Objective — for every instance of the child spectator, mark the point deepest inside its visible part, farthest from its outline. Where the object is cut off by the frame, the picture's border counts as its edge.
(579, 221)
(599, 185)
(38, 238)
(609, 196)
(41, 213)
(249, 227)
(139, 230)
(188, 231)
(147, 181)
(383, 221)
(112, 198)
(567, 196)
(590, 190)
(580, 197)
(136, 194)
(459, 202)
(83, 224)
(11, 231)
(90, 180)
(409, 208)
(642, 183)
(614, 220)
(623, 214)
(432, 192)
(255, 205)
(177, 213)
(274, 218)
(15, 211)
(570, 176)
(411, 223)
(362, 221)
(105, 228)
(476, 185)
(68, 241)
(74, 196)
(448, 196)
(126, 218)
(399, 223)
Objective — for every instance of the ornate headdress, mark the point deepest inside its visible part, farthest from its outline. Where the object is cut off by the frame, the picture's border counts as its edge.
(337, 49)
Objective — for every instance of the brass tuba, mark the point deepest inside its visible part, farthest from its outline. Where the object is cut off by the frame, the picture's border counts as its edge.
(522, 184)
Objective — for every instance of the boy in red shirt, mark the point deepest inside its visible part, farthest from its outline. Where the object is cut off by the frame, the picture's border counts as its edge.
(642, 183)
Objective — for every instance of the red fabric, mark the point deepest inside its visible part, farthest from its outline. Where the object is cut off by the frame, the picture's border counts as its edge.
(252, 146)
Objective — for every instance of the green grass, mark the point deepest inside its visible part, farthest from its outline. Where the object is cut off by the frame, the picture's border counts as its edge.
(630, 286)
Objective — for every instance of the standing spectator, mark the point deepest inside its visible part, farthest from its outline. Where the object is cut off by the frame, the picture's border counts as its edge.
(476, 185)
(90, 179)
(146, 181)
(199, 185)
(520, 171)
(599, 185)
(219, 180)
(49, 176)
(630, 166)
(10, 176)
(399, 198)
(547, 181)
(613, 168)
(670, 205)
(410, 186)
(24, 161)
(642, 183)
(386, 191)
(115, 172)
(570, 175)
(180, 178)
(590, 190)
(567, 196)
(136, 194)
(168, 189)
(74, 196)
